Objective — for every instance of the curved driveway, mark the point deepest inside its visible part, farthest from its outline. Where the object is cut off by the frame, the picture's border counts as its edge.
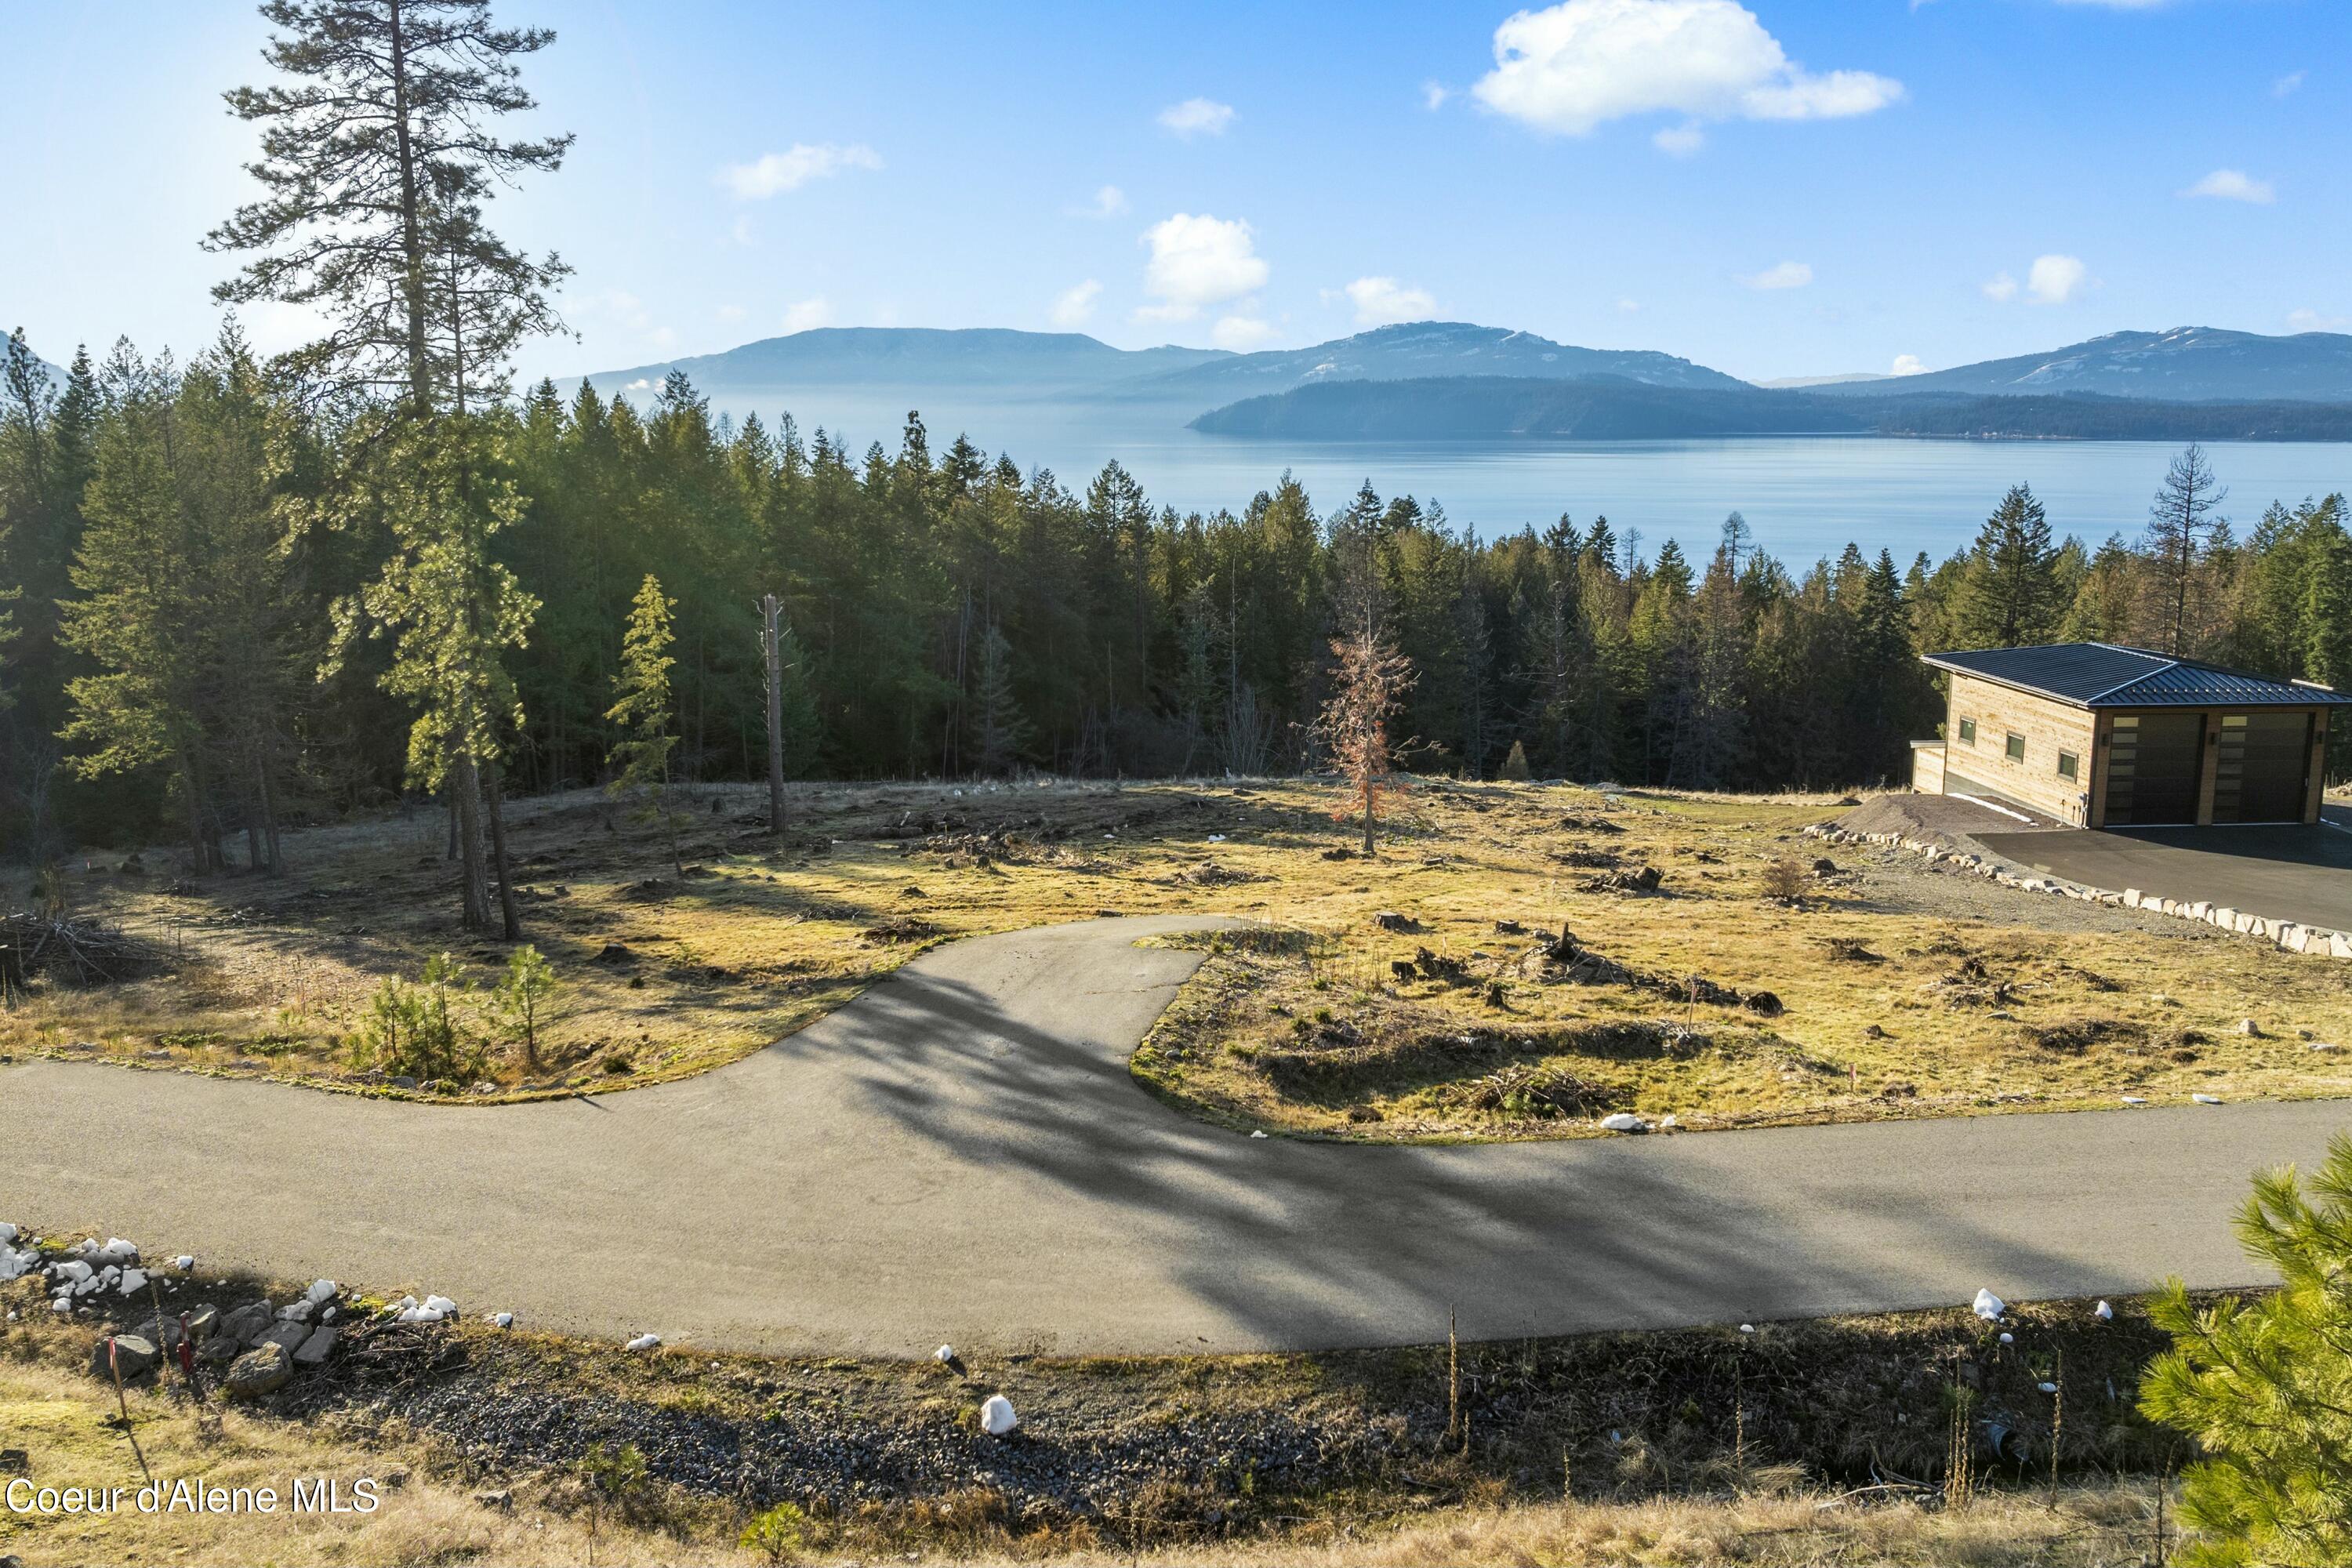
(960, 1155)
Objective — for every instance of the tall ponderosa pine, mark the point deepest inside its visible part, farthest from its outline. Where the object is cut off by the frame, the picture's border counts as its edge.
(376, 157)
(644, 712)
(2183, 536)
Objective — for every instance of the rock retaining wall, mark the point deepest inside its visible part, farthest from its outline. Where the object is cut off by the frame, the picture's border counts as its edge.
(2288, 934)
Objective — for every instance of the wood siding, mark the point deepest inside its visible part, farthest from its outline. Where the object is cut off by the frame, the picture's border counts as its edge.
(2048, 726)
(1928, 767)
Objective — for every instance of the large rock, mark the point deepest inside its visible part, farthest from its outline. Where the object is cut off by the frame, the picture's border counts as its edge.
(258, 1371)
(134, 1357)
(314, 1351)
(165, 1332)
(244, 1325)
(287, 1336)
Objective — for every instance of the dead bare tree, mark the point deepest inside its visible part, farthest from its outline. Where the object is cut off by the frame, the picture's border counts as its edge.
(1369, 680)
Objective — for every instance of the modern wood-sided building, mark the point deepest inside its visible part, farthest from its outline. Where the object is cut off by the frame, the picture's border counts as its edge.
(2099, 735)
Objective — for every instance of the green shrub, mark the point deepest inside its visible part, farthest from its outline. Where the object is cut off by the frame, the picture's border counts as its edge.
(2266, 1387)
(778, 1534)
(414, 1031)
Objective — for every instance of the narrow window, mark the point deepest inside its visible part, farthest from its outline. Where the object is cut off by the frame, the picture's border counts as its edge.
(2069, 767)
(1968, 731)
(2016, 748)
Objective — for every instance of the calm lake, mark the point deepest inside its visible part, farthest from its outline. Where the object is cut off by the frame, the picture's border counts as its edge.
(1804, 496)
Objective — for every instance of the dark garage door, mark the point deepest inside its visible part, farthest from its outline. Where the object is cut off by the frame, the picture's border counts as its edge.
(2152, 768)
(2259, 775)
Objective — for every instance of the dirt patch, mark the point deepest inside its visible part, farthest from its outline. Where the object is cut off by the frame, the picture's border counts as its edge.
(902, 929)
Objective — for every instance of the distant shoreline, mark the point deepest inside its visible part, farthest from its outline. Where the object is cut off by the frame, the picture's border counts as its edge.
(1508, 408)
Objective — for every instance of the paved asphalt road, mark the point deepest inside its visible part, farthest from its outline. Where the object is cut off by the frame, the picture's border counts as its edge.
(2285, 873)
(960, 1155)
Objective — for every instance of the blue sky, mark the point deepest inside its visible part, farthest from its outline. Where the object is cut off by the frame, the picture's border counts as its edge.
(1775, 188)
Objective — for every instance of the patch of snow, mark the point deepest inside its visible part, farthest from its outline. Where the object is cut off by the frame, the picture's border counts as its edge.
(1989, 1306)
(996, 1417)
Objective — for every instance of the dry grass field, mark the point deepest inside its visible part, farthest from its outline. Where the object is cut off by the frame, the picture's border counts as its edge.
(1894, 990)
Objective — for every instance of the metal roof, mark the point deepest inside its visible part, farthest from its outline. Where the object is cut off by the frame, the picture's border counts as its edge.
(2106, 675)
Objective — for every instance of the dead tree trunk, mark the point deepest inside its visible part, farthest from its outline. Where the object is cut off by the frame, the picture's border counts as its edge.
(771, 649)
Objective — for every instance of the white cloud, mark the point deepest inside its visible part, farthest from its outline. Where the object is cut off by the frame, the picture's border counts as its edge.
(1073, 305)
(1680, 140)
(2233, 186)
(1109, 202)
(1198, 261)
(731, 312)
(774, 173)
(1380, 301)
(1435, 94)
(1575, 65)
(1629, 305)
(802, 315)
(1197, 117)
(1244, 333)
(2287, 84)
(2055, 280)
(2000, 288)
(1787, 275)
(1907, 364)
(2309, 321)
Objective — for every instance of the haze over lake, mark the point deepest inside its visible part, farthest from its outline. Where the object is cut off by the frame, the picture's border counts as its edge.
(1805, 496)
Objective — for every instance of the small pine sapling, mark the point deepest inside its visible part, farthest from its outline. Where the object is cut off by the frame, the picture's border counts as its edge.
(523, 1002)
(642, 709)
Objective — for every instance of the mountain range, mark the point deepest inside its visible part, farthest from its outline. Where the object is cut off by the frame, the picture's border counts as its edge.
(2189, 364)
(1488, 408)
(1065, 364)
(1454, 380)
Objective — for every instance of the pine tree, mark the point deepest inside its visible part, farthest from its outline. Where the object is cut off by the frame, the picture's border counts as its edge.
(374, 156)
(2105, 602)
(453, 611)
(644, 711)
(2008, 594)
(999, 731)
(2182, 537)
(2265, 1386)
(46, 441)
(377, 153)
(192, 608)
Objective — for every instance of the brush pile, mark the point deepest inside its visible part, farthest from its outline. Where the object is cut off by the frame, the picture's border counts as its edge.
(74, 953)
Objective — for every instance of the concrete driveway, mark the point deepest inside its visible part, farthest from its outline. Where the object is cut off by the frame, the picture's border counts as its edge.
(961, 1156)
(2302, 874)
